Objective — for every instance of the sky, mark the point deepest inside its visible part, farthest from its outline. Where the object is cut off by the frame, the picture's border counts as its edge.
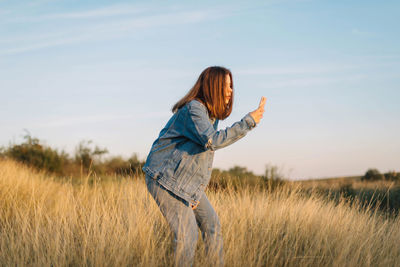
(110, 71)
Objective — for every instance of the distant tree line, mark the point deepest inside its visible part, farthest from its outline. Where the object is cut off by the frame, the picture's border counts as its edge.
(87, 158)
(375, 175)
(91, 158)
(239, 177)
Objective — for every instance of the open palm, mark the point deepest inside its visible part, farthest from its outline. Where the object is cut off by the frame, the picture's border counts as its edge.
(258, 113)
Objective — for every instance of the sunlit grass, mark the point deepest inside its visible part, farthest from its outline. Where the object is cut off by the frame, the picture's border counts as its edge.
(44, 222)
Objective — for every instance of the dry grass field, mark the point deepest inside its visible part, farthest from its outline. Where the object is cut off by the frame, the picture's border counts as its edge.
(339, 182)
(48, 222)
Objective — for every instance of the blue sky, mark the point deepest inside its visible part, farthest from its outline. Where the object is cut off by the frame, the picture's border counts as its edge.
(110, 71)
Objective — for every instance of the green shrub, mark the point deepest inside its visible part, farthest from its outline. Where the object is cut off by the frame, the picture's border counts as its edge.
(392, 176)
(238, 178)
(85, 154)
(118, 165)
(372, 175)
(40, 156)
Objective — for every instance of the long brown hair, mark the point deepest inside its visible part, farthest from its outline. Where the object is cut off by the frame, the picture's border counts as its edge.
(209, 89)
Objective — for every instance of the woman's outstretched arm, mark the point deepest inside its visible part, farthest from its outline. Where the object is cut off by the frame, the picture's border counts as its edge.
(199, 129)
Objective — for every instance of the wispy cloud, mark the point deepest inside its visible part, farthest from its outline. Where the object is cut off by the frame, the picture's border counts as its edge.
(362, 33)
(313, 81)
(300, 69)
(4, 12)
(98, 13)
(114, 28)
(94, 119)
(311, 75)
(38, 3)
(103, 12)
(45, 44)
(358, 64)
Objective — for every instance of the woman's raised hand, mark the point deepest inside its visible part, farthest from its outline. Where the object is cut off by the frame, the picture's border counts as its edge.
(258, 113)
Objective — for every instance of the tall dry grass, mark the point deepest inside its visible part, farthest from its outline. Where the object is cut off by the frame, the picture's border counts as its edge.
(45, 222)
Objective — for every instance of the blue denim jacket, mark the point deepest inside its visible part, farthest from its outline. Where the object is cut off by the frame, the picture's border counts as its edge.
(181, 157)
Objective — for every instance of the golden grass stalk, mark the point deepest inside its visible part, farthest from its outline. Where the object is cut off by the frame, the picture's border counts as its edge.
(47, 222)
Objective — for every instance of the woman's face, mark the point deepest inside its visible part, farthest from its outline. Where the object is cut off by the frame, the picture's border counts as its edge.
(227, 88)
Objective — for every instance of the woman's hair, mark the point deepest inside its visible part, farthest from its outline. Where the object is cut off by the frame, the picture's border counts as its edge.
(209, 89)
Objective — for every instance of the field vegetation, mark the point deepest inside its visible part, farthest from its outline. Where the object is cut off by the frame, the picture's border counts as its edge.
(111, 220)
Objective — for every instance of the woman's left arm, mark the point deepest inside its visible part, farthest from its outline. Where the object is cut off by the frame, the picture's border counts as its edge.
(199, 129)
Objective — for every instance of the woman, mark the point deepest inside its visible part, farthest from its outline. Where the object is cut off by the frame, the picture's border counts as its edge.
(178, 167)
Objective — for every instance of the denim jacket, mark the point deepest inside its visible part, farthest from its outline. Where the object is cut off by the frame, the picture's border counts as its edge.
(181, 157)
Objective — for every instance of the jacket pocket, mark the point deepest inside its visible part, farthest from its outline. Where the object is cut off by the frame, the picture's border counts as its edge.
(169, 166)
(185, 172)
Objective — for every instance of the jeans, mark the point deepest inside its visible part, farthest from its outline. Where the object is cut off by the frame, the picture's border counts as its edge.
(184, 223)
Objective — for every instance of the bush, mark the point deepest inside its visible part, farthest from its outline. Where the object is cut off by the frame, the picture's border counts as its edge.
(238, 178)
(392, 176)
(87, 158)
(85, 154)
(35, 154)
(118, 165)
(372, 175)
